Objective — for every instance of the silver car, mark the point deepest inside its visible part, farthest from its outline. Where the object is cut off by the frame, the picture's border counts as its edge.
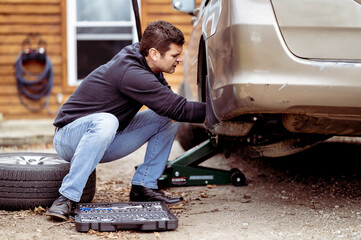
(278, 76)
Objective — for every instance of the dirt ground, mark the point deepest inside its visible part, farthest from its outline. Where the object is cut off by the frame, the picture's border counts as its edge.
(312, 195)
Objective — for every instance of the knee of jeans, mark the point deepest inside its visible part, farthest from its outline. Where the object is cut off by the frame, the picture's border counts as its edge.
(107, 123)
(171, 125)
(165, 121)
(175, 125)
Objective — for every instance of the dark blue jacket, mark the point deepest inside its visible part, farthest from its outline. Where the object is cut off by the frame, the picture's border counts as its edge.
(121, 87)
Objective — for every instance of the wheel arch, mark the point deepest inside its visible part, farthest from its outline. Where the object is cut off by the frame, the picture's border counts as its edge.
(202, 70)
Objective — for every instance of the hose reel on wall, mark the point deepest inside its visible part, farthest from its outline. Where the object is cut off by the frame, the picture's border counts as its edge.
(35, 86)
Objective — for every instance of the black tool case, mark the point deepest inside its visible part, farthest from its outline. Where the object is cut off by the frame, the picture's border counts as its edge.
(108, 217)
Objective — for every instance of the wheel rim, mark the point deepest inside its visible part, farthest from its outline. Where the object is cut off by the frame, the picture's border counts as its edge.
(23, 159)
(238, 179)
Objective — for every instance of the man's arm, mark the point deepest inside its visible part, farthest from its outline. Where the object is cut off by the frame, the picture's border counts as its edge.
(145, 88)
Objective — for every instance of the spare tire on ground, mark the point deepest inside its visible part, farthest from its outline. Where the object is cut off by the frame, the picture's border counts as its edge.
(29, 180)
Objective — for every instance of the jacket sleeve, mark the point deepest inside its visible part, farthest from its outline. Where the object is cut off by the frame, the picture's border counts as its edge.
(145, 88)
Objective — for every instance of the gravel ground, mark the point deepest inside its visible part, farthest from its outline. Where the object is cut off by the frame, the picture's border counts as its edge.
(312, 195)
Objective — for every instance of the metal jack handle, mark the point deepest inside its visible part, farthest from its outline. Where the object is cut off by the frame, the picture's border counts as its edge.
(137, 19)
(185, 170)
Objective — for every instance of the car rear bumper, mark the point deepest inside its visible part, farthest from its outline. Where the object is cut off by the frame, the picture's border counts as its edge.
(263, 76)
(251, 71)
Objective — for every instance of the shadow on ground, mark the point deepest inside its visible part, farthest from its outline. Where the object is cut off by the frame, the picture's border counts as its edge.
(330, 167)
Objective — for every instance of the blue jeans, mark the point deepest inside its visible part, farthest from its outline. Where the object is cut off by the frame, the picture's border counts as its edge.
(94, 139)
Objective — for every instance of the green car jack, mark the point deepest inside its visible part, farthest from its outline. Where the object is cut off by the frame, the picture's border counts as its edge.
(185, 170)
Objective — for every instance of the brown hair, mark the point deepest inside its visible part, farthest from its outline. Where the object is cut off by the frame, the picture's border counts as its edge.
(159, 35)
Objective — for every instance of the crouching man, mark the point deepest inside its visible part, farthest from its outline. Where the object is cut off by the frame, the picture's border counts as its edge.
(101, 122)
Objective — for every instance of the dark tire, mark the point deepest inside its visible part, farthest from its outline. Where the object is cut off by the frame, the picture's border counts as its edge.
(190, 135)
(238, 178)
(29, 180)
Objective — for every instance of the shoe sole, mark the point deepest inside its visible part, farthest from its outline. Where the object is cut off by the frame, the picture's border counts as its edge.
(155, 200)
(57, 216)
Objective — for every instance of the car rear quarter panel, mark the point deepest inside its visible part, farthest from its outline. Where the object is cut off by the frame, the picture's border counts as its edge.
(323, 29)
(251, 70)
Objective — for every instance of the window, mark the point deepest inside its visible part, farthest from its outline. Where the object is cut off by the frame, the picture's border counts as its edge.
(96, 31)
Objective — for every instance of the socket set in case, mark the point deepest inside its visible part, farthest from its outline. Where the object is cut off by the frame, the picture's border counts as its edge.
(108, 217)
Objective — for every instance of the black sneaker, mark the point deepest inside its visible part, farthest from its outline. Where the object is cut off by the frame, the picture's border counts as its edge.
(144, 194)
(61, 208)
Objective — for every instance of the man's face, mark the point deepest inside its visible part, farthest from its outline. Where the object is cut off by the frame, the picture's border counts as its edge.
(171, 59)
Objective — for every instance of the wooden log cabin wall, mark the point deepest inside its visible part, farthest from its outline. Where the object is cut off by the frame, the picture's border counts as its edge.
(19, 18)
